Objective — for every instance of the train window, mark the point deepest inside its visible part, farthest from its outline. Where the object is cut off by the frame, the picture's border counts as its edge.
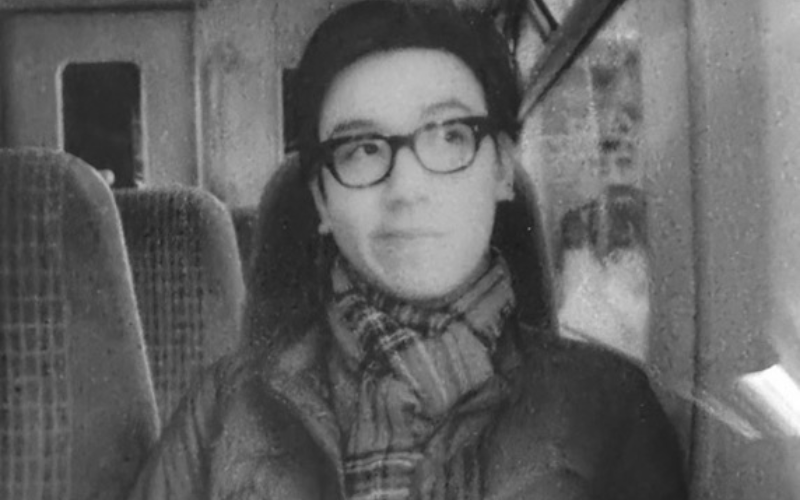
(676, 266)
(102, 118)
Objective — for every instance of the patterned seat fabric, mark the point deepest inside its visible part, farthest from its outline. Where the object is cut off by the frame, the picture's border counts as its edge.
(188, 280)
(77, 414)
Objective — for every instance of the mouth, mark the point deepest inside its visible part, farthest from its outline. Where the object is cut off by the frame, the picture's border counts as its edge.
(402, 234)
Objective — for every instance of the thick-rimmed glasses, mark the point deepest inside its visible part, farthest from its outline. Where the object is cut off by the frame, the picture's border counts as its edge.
(363, 160)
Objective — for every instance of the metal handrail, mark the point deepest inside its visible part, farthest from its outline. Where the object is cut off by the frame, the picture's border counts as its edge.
(580, 25)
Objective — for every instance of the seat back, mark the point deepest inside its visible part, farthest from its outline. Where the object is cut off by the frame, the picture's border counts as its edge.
(77, 414)
(188, 280)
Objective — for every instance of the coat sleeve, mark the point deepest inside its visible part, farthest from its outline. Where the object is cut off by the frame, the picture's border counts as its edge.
(177, 467)
(650, 462)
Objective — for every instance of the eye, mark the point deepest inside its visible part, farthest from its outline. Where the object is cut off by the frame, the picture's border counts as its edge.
(369, 148)
(456, 133)
(358, 150)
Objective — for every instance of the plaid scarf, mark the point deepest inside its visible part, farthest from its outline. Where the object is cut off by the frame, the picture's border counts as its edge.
(413, 367)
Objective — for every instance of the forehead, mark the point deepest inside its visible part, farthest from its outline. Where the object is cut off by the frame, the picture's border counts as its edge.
(397, 90)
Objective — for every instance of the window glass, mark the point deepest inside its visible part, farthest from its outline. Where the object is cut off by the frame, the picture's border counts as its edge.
(612, 154)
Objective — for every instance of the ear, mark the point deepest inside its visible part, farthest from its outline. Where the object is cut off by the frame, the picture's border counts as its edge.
(315, 185)
(507, 163)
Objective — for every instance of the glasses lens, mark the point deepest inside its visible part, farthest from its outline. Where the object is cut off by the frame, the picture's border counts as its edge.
(446, 147)
(362, 161)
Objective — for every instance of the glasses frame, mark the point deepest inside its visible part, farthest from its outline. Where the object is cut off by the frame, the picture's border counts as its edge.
(481, 126)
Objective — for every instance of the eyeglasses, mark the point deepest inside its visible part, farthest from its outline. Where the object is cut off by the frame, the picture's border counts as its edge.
(360, 161)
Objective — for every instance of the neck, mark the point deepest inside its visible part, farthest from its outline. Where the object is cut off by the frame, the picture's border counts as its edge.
(372, 289)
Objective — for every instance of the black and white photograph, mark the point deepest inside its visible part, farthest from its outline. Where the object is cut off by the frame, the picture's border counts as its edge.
(399, 249)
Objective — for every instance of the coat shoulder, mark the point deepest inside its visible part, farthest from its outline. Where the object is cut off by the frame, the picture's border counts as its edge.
(585, 420)
(592, 366)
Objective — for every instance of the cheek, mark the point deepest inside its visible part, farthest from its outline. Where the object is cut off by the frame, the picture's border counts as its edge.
(351, 220)
(473, 206)
(477, 221)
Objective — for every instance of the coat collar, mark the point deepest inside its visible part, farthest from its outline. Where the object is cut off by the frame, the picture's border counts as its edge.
(298, 378)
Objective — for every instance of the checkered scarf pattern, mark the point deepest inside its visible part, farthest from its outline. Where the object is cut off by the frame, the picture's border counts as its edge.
(415, 365)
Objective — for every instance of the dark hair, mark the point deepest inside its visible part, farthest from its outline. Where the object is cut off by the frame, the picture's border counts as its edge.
(373, 26)
(288, 278)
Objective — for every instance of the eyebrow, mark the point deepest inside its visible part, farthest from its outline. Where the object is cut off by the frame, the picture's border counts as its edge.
(446, 105)
(351, 126)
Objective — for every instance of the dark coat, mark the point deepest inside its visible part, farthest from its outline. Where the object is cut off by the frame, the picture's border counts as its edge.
(582, 424)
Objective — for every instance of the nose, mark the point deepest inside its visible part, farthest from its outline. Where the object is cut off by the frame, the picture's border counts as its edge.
(409, 182)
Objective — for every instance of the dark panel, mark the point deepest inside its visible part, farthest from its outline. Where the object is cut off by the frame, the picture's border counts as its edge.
(102, 118)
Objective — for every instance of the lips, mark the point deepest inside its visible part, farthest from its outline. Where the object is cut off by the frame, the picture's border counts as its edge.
(400, 234)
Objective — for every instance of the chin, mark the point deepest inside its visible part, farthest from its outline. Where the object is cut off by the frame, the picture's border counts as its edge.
(424, 277)
(417, 289)
(421, 283)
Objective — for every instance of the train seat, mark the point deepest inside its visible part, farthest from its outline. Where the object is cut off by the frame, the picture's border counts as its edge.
(188, 281)
(77, 412)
